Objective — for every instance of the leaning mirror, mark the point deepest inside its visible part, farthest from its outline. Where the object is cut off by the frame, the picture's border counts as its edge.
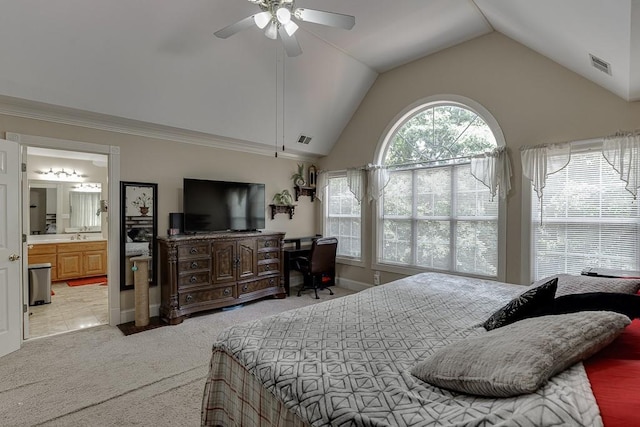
(138, 225)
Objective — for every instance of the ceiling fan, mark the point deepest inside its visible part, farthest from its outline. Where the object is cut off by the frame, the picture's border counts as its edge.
(277, 18)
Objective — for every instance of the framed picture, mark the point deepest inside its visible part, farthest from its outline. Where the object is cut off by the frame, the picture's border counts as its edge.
(139, 229)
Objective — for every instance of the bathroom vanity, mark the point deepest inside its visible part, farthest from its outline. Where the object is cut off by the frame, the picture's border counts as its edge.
(71, 259)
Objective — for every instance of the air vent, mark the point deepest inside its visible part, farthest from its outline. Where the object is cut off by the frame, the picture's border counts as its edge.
(303, 139)
(601, 65)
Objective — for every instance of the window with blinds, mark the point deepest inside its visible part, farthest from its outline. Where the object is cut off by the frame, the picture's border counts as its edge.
(586, 218)
(440, 218)
(343, 218)
(434, 215)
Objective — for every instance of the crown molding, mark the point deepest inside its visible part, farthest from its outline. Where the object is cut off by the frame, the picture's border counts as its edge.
(69, 116)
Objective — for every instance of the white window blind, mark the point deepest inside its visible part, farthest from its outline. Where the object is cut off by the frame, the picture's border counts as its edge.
(440, 218)
(343, 218)
(588, 220)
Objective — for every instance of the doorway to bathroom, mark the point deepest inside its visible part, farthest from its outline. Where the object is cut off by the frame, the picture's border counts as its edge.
(67, 241)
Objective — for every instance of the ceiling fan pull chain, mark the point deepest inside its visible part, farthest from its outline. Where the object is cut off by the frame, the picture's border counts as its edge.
(275, 141)
(283, 93)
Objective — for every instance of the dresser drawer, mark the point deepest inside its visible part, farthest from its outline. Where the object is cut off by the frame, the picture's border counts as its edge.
(192, 265)
(258, 285)
(193, 250)
(268, 243)
(187, 299)
(269, 268)
(194, 279)
(268, 255)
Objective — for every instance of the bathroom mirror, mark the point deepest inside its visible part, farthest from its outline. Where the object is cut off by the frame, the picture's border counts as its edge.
(138, 225)
(64, 207)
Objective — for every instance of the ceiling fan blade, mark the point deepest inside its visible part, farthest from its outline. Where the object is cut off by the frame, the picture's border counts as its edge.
(326, 18)
(230, 30)
(290, 42)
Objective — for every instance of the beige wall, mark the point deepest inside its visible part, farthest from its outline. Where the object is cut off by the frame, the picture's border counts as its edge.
(167, 163)
(533, 99)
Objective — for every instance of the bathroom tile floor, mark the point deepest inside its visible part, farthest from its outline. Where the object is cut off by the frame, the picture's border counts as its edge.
(71, 308)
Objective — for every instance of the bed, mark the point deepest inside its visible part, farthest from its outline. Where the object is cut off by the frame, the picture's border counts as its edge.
(349, 362)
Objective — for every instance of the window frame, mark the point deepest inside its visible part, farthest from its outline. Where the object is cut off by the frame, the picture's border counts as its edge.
(359, 262)
(386, 138)
(526, 238)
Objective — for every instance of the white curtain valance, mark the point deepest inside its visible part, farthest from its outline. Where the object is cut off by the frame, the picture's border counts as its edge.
(493, 169)
(541, 161)
(377, 179)
(322, 181)
(622, 151)
(355, 181)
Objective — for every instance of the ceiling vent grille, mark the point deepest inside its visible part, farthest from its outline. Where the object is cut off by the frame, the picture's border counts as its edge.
(303, 139)
(601, 65)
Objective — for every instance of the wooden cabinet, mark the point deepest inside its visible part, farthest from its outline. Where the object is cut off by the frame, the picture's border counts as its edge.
(204, 272)
(45, 253)
(82, 259)
(71, 260)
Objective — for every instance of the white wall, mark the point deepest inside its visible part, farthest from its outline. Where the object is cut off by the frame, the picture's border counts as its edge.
(534, 100)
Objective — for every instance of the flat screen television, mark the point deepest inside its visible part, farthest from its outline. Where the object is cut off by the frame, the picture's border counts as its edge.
(210, 206)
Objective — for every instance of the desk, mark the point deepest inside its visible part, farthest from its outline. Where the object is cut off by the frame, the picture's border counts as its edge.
(294, 248)
(289, 255)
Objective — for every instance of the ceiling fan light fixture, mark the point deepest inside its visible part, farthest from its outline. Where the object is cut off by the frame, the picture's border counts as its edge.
(290, 27)
(262, 19)
(284, 15)
(271, 31)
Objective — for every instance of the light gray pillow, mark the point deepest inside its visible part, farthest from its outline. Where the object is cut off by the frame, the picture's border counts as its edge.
(519, 358)
(572, 284)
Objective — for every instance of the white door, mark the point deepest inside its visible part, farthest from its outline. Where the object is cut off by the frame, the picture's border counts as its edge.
(10, 248)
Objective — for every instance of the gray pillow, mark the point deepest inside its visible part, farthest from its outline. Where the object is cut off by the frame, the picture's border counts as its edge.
(571, 284)
(519, 358)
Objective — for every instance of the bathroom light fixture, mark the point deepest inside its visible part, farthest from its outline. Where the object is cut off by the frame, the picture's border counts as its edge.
(61, 174)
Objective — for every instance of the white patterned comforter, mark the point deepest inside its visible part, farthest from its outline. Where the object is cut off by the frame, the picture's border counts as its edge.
(346, 362)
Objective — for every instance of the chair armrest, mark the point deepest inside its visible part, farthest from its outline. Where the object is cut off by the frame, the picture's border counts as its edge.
(300, 263)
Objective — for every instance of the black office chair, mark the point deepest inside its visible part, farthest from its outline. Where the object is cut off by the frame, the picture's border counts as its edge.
(320, 262)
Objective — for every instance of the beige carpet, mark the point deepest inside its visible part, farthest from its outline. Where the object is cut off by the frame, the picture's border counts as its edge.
(99, 377)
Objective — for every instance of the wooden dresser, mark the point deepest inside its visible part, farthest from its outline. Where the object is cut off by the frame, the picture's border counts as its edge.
(208, 271)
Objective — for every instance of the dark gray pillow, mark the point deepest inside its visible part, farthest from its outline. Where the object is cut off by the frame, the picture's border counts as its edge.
(572, 284)
(523, 306)
(521, 357)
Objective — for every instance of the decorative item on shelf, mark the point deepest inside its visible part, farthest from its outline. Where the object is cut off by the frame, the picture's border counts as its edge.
(283, 203)
(298, 177)
(312, 173)
(283, 198)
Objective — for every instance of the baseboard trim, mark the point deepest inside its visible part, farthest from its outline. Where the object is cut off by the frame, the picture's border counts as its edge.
(352, 285)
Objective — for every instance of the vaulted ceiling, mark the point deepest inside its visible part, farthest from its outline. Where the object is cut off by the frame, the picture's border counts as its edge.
(156, 63)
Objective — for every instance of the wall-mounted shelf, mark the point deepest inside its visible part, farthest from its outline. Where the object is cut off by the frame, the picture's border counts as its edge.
(276, 209)
(305, 191)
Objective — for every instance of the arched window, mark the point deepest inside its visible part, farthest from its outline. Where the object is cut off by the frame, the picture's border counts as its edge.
(434, 214)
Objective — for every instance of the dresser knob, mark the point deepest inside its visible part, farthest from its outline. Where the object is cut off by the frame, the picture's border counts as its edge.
(193, 251)
(193, 279)
(272, 282)
(267, 267)
(267, 243)
(194, 265)
(227, 292)
(245, 288)
(189, 298)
